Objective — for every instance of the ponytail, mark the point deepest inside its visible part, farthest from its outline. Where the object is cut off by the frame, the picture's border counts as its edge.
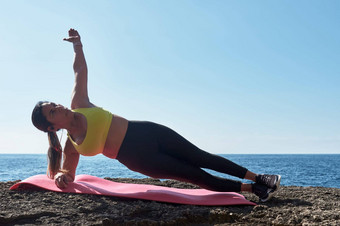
(54, 155)
(55, 150)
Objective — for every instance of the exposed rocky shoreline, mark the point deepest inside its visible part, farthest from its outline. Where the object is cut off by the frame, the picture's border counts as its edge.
(290, 206)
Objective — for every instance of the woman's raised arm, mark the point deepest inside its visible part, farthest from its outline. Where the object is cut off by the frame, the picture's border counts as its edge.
(80, 98)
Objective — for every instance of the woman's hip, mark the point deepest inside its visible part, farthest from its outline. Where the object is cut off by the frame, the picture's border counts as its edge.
(140, 139)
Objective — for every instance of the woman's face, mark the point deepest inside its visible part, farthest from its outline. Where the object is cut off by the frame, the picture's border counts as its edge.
(57, 115)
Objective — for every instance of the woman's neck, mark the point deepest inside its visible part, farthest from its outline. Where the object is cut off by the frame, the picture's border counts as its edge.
(77, 126)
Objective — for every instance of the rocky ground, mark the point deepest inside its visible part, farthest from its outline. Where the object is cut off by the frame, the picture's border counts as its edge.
(290, 206)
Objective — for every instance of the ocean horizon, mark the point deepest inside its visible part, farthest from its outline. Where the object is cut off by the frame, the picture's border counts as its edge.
(295, 169)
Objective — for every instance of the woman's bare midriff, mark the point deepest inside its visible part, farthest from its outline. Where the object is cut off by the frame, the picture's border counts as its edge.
(115, 136)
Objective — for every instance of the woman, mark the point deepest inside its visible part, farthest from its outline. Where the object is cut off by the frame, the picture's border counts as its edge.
(145, 147)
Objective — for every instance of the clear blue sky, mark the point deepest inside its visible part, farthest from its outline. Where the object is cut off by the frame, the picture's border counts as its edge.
(230, 76)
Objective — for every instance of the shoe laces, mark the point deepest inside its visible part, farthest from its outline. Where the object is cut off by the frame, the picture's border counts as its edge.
(265, 179)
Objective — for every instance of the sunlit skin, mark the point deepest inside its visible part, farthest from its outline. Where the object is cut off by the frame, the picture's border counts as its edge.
(57, 115)
(76, 124)
(63, 118)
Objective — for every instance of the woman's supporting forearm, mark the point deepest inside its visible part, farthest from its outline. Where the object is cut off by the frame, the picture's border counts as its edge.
(70, 160)
(70, 165)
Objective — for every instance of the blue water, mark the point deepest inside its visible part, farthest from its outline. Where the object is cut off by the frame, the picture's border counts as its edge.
(299, 170)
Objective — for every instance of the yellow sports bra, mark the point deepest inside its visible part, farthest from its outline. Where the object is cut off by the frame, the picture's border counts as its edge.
(98, 125)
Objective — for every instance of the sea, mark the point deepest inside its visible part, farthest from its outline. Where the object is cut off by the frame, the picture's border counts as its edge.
(296, 169)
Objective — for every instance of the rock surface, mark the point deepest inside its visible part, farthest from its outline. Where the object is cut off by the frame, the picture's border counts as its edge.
(290, 206)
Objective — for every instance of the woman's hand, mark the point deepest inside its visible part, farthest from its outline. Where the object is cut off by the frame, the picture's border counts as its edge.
(62, 179)
(73, 36)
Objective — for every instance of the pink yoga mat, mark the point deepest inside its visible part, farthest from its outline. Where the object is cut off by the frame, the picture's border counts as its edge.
(87, 184)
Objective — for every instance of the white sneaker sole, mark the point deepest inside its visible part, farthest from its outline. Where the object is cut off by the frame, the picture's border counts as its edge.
(270, 195)
(277, 184)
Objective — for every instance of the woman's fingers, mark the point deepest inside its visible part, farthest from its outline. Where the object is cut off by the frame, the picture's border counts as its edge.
(61, 181)
(58, 182)
(64, 179)
(73, 36)
(73, 32)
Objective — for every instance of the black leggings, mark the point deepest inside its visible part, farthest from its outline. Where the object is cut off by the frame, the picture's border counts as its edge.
(159, 152)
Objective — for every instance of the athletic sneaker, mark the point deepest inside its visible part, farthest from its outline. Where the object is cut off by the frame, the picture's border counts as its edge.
(271, 181)
(262, 191)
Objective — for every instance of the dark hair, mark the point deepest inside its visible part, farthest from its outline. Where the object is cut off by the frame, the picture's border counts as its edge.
(55, 149)
(38, 119)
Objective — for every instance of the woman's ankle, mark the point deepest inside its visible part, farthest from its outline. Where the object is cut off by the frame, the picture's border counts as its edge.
(250, 176)
(247, 187)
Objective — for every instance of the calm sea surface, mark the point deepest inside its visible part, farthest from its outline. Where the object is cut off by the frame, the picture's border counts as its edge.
(299, 170)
